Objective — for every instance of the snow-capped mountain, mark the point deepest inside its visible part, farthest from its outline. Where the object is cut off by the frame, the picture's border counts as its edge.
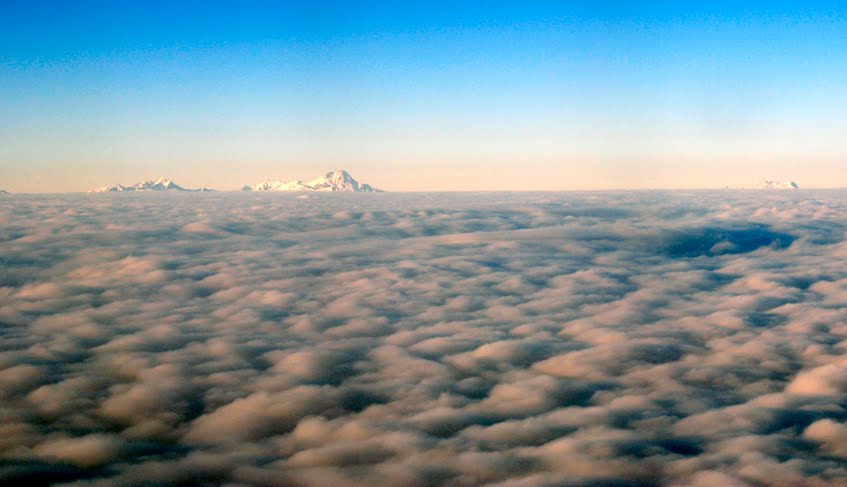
(3, 191)
(161, 184)
(778, 185)
(338, 180)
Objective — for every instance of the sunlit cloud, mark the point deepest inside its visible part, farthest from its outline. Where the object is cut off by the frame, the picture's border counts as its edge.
(514, 340)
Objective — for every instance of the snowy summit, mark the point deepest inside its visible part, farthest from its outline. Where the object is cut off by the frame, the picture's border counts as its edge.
(778, 185)
(338, 180)
(161, 184)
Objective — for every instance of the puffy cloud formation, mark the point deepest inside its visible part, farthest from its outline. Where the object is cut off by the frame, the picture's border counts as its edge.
(648, 338)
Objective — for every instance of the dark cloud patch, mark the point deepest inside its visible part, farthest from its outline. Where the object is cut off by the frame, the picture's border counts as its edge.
(621, 338)
(737, 239)
(42, 474)
(765, 320)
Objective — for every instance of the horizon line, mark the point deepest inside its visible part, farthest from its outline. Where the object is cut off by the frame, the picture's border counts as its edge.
(572, 190)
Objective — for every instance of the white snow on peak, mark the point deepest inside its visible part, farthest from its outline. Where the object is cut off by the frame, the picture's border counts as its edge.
(778, 185)
(337, 180)
(161, 184)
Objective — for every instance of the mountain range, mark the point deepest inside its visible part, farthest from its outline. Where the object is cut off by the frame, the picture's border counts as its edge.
(338, 180)
(161, 184)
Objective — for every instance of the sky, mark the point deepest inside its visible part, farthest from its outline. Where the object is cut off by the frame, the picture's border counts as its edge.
(431, 96)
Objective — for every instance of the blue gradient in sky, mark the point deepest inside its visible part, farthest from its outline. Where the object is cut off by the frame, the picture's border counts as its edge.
(519, 95)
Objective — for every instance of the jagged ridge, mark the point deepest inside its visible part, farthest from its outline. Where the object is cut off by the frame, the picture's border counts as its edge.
(161, 184)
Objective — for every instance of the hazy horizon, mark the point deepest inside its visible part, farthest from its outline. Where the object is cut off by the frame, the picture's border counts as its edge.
(592, 190)
(458, 187)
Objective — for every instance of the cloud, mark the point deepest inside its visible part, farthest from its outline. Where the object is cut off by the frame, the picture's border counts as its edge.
(831, 435)
(261, 414)
(85, 451)
(19, 378)
(830, 380)
(645, 338)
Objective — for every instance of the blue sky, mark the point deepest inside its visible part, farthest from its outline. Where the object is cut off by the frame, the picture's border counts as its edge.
(434, 96)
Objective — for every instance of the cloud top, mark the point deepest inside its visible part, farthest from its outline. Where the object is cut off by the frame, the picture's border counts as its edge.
(668, 338)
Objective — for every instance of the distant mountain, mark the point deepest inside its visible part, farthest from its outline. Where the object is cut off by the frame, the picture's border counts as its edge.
(161, 184)
(338, 180)
(778, 185)
(3, 191)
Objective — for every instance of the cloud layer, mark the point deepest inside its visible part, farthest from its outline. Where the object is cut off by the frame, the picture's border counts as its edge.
(667, 338)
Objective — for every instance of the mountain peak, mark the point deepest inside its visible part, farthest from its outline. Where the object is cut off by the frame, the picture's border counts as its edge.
(336, 180)
(339, 173)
